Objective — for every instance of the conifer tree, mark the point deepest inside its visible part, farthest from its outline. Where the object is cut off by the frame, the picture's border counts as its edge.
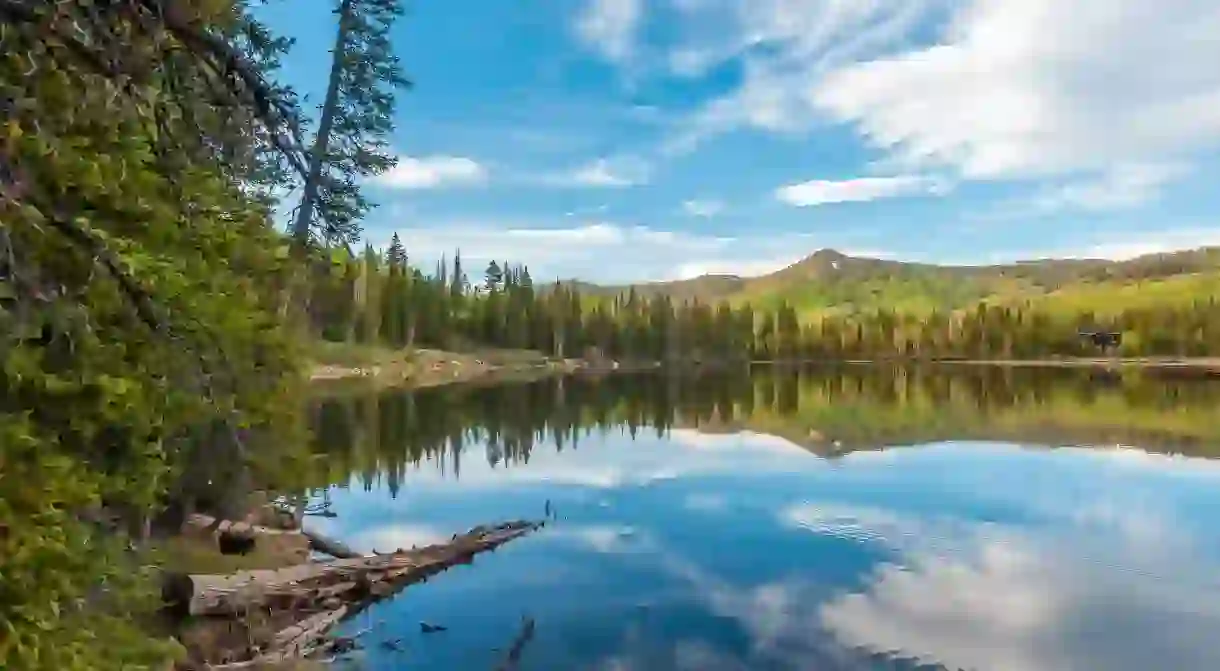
(355, 120)
(494, 276)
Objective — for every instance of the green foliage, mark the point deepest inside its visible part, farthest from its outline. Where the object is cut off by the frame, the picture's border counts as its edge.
(834, 284)
(138, 274)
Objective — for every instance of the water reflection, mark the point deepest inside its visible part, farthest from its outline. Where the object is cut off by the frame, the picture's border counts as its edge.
(754, 522)
(827, 411)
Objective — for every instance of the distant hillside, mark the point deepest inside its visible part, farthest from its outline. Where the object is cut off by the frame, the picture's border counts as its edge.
(831, 282)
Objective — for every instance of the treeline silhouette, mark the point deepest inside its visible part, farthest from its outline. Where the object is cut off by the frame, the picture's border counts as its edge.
(382, 437)
(380, 298)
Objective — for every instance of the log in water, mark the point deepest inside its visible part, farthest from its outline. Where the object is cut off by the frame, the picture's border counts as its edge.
(313, 582)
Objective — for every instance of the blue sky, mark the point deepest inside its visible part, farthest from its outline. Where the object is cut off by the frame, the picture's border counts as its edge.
(619, 140)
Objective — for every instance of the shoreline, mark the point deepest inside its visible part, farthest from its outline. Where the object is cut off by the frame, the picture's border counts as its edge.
(432, 368)
(1181, 363)
(1201, 364)
(1205, 363)
(423, 368)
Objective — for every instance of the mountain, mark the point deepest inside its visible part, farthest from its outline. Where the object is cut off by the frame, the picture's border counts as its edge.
(829, 281)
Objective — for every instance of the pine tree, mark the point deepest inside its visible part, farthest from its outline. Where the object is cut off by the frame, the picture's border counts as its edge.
(355, 121)
(458, 286)
(494, 276)
(396, 255)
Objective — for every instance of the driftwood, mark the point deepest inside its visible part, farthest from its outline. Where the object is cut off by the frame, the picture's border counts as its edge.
(312, 583)
(294, 642)
(328, 545)
(326, 592)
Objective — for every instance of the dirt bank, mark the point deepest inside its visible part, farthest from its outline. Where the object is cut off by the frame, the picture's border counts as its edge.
(429, 367)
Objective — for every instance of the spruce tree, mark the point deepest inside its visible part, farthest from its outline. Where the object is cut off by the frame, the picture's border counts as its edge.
(355, 120)
(396, 255)
(493, 277)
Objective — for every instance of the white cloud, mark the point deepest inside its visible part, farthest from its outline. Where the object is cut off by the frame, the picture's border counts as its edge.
(965, 594)
(609, 26)
(1035, 87)
(1010, 602)
(606, 539)
(1119, 188)
(705, 208)
(394, 536)
(600, 466)
(786, 47)
(987, 88)
(1122, 246)
(863, 189)
(605, 173)
(431, 172)
(746, 267)
(738, 441)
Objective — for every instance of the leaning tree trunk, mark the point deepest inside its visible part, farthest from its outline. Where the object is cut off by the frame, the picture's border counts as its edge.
(301, 278)
(317, 157)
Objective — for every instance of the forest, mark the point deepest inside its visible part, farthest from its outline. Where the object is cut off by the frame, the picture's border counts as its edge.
(379, 298)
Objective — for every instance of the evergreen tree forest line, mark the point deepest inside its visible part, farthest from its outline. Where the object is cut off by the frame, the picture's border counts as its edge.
(380, 438)
(381, 298)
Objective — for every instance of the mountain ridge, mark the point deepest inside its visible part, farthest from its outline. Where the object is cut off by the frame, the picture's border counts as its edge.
(830, 281)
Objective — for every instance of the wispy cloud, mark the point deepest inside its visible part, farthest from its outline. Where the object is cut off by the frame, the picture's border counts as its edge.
(987, 88)
(822, 192)
(612, 173)
(1119, 188)
(609, 27)
(433, 172)
(704, 208)
(1120, 246)
(1035, 87)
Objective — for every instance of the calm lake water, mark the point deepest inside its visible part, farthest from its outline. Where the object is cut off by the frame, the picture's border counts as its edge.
(858, 518)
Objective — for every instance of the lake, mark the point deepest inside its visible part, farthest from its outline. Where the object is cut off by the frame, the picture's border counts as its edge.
(830, 518)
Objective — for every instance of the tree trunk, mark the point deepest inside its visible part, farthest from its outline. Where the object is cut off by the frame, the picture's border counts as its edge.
(321, 143)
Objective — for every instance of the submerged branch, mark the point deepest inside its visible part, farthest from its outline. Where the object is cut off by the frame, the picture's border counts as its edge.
(513, 658)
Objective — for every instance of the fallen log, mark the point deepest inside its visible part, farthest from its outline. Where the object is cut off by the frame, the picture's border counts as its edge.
(295, 642)
(329, 546)
(351, 579)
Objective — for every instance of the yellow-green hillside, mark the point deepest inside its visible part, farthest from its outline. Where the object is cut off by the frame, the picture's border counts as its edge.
(829, 282)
